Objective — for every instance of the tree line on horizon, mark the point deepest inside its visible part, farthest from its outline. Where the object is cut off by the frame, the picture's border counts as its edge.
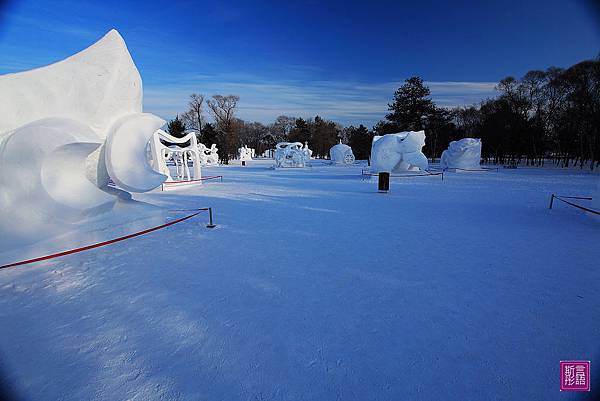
(545, 116)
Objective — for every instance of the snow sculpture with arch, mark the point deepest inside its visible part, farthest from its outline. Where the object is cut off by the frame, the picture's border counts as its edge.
(180, 156)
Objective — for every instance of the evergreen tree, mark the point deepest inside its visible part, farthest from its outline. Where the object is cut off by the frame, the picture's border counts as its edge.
(209, 135)
(410, 106)
(300, 132)
(324, 136)
(176, 127)
(360, 139)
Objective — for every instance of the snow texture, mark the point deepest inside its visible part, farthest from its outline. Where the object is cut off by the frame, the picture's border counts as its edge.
(464, 289)
(395, 153)
(462, 154)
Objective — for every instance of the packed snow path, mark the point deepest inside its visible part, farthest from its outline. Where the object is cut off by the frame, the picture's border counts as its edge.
(316, 287)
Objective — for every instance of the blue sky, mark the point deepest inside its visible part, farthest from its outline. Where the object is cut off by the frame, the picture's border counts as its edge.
(340, 59)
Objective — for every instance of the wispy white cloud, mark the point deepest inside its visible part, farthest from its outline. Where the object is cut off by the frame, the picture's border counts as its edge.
(261, 99)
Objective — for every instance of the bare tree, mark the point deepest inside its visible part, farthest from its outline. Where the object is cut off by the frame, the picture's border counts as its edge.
(223, 111)
(194, 117)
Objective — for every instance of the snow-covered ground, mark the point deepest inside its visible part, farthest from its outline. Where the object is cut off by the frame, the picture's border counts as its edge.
(316, 287)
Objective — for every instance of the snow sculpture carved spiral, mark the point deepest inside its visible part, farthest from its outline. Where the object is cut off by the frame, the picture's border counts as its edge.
(67, 130)
(463, 154)
(394, 153)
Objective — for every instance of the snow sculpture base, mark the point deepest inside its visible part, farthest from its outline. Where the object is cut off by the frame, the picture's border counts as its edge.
(67, 130)
(341, 154)
(464, 154)
(395, 153)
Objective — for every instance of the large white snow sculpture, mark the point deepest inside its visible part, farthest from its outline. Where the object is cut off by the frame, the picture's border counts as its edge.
(66, 130)
(341, 154)
(208, 156)
(290, 154)
(462, 154)
(179, 156)
(398, 152)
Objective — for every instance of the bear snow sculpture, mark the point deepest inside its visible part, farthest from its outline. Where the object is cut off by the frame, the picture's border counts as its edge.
(290, 154)
(341, 154)
(398, 152)
(462, 154)
(66, 131)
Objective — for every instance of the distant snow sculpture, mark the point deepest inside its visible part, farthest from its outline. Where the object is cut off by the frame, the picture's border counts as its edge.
(66, 131)
(462, 154)
(208, 156)
(180, 156)
(245, 153)
(307, 152)
(341, 154)
(398, 152)
(290, 154)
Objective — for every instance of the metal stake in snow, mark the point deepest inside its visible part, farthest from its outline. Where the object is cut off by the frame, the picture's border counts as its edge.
(383, 183)
(210, 220)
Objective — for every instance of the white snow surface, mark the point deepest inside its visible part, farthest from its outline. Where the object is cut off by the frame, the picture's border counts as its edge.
(316, 287)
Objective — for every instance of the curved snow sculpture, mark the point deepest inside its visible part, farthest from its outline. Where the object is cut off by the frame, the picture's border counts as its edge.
(398, 152)
(341, 154)
(462, 154)
(208, 156)
(180, 156)
(290, 154)
(66, 131)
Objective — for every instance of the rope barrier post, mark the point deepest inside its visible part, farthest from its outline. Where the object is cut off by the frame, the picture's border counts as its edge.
(221, 178)
(383, 183)
(551, 201)
(210, 219)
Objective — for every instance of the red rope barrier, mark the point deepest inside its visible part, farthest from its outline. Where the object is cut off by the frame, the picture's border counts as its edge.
(560, 198)
(99, 244)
